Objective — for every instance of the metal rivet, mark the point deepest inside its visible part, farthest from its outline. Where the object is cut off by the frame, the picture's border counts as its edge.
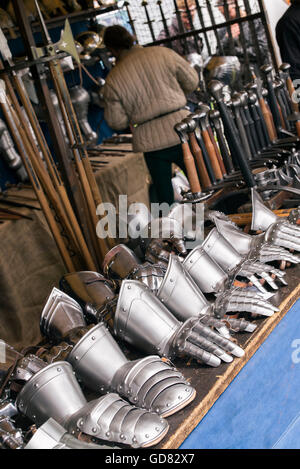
(58, 369)
(93, 338)
(94, 430)
(146, 436)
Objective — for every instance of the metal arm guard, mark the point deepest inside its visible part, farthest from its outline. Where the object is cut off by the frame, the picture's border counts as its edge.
(278, 232)
(254, 247)
(100, 364)
(80, 99)
(54, 392)
(219, 249)
(11, 157)
(152, 328)
(142, 320)
(208, 275)
(51, 435)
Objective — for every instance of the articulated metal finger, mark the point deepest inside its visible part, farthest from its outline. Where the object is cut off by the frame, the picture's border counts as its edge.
(250, 270)
(254, 280)
(193, 351)
(271, 253)
(218, 339)
(288, 228)
(276, 236)
(240, 300)
(209, 347)
(264, 271)
(241, 325)
(280, 275)
(218, 325)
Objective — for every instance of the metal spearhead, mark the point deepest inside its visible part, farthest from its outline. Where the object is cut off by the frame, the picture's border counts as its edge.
(43, 24)
(67, 43)
(4, 49)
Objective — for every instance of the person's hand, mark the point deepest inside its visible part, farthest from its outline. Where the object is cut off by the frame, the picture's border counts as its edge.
(235, 30)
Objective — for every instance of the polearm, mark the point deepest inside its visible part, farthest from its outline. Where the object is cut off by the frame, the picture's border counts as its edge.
(65, 210)
(32, 156)
(200, 16)
(130, 20)
(61, 148)
(192, 25)
(163, 18)
(84, 168)
(149, 21)
(14, 130)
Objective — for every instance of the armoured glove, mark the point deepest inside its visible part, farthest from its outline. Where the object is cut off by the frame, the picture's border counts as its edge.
(52, 391)
(167, 230)
(277, 231)
(211, 278)
(99, 363)
(157, 237)
(148, 322)
(237, 266)
(121, 263)
(254, 247)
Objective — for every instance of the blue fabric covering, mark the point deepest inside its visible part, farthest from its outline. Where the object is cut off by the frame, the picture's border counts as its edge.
(261, 407)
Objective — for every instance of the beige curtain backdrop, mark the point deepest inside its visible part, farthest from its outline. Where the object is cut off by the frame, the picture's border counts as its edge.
(30, 265)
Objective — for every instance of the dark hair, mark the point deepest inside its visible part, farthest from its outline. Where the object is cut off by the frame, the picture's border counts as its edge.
(118, 37)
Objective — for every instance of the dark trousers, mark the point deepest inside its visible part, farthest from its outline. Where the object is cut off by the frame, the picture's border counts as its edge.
(160, 167)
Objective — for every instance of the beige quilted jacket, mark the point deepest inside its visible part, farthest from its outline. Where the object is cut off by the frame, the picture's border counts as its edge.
(145, 84)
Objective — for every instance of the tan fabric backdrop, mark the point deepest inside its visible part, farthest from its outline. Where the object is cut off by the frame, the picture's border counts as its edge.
(30, 265)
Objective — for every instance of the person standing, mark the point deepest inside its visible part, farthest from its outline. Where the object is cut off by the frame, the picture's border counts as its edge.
(288, 38)
(147, 91)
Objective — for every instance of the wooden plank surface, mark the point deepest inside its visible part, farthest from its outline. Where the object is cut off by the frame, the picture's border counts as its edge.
(210, 383)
